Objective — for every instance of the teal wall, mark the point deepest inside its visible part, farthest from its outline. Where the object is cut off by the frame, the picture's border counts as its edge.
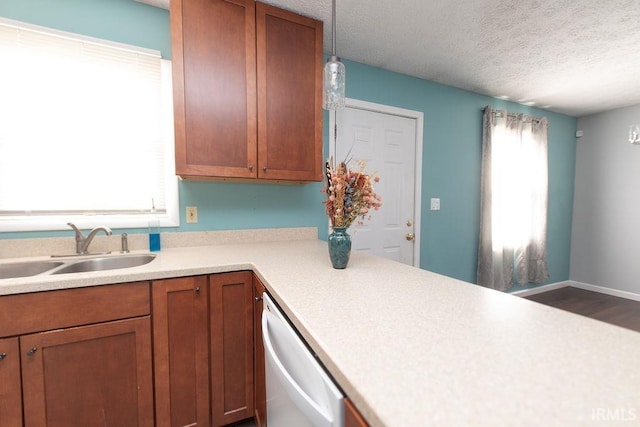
(451, 152)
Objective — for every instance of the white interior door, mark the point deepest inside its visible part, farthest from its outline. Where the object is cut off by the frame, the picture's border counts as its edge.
(390, 141)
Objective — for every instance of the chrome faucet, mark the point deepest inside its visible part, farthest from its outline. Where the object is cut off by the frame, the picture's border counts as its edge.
(82, 241)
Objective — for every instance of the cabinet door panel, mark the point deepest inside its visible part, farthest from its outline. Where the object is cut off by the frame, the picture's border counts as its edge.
(89, 376)
(181, 351)
(213, 45)
(289, 76)
(231, 346)
(10, 387)
(258, 355)
(72, 307)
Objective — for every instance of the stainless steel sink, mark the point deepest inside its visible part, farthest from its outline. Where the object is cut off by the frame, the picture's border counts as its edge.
(26, 269)
(105, 263)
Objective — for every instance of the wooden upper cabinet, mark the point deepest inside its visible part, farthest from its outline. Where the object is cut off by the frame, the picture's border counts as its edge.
(289, 50)
(214, 61)
(247, 84)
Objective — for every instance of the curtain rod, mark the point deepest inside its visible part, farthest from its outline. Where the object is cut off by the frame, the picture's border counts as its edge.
(502, 113)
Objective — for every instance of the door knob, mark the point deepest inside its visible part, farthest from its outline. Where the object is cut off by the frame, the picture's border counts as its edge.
(410, 236)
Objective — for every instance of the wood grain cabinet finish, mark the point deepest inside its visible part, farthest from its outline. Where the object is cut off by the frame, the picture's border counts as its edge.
(247, 91)
(352, 418)
(231, 300)
(260, 413)
(10, 384)
(289, 58)
(77, 357)
(90, 375)
(203, 349)
(181, 351)
(214, 81)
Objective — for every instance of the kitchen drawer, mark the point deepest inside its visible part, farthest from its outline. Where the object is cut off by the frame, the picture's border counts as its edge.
(41, 311)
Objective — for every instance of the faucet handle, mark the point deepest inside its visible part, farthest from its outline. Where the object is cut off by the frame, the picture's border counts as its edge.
(76, 229)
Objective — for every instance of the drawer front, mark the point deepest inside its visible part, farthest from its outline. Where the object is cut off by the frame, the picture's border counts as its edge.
(42, 311)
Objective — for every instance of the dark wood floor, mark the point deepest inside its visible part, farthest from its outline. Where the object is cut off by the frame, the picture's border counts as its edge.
(618, 311)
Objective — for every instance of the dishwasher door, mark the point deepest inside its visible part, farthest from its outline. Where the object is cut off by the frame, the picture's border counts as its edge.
(299, 391)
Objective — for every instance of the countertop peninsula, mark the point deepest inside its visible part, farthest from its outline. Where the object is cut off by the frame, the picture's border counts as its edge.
(414, 348)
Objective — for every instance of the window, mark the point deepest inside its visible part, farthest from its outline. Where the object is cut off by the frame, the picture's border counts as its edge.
(514, 193)
(86, 132)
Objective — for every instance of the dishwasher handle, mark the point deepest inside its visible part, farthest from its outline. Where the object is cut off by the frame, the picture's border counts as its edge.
(301, 399)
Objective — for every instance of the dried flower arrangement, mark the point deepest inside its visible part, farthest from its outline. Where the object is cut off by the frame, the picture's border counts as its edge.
(350, 193)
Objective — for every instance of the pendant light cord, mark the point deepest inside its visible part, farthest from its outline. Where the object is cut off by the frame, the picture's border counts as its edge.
(333, 33)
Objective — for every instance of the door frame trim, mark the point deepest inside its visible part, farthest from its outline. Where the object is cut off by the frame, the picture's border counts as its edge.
(418, 116)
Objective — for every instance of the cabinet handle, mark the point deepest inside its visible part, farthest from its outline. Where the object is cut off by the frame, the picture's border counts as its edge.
(264, 169)
(3, 355)
(198, 290)
(32, 351)
(250, 168)
(258, 299)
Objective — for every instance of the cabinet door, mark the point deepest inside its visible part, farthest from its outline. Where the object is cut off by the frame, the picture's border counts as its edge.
(231, 302)
(289, 55)
(213, 48)
(89, 376)
(10, 387)
(181, 351)
(352, 417)
(260, 394)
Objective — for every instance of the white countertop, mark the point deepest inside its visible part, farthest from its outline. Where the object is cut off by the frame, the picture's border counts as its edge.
(414, 348)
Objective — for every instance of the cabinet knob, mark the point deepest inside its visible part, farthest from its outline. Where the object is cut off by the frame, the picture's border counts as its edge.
(264, 169)
(198, 290)
(32, 351)
(250, 168)
(3, 355)
(258, 299)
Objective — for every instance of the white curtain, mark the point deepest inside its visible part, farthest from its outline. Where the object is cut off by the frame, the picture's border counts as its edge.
(513, 207)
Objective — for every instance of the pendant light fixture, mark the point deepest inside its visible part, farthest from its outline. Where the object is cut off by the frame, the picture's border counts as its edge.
(334, 73)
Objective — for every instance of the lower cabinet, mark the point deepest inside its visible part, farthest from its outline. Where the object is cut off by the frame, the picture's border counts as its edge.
(352, 417)
(203, 340)
(10, 384)
(84, 357)
(260, 413)
(90, 375)
(77, 357)
(181, 351)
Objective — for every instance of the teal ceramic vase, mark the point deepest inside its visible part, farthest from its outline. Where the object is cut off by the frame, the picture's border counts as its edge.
(339, 247)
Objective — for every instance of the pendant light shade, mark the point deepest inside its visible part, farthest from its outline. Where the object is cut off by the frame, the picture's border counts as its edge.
(333, 83)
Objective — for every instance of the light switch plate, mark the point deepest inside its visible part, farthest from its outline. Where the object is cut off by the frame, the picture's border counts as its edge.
(435, 204)
(192, 214)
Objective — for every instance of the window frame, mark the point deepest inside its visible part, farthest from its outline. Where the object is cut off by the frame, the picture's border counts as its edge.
(170, 217)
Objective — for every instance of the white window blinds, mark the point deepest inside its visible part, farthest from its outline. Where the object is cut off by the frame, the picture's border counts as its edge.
(85, 126)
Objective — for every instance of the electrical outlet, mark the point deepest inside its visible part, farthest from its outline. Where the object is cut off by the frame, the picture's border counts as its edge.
(192, 214)
(435, 204)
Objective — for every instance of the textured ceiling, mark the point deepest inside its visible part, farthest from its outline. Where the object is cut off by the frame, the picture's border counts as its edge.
(576, 57)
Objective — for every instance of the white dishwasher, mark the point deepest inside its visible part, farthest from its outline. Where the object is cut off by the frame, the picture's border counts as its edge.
(299, 391)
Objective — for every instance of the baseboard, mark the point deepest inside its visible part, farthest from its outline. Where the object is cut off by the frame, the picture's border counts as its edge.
(541, 289)
(579, 285)
(603, 290)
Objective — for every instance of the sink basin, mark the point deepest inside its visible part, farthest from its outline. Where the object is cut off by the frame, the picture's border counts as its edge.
(26, 269)
(105, 263)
